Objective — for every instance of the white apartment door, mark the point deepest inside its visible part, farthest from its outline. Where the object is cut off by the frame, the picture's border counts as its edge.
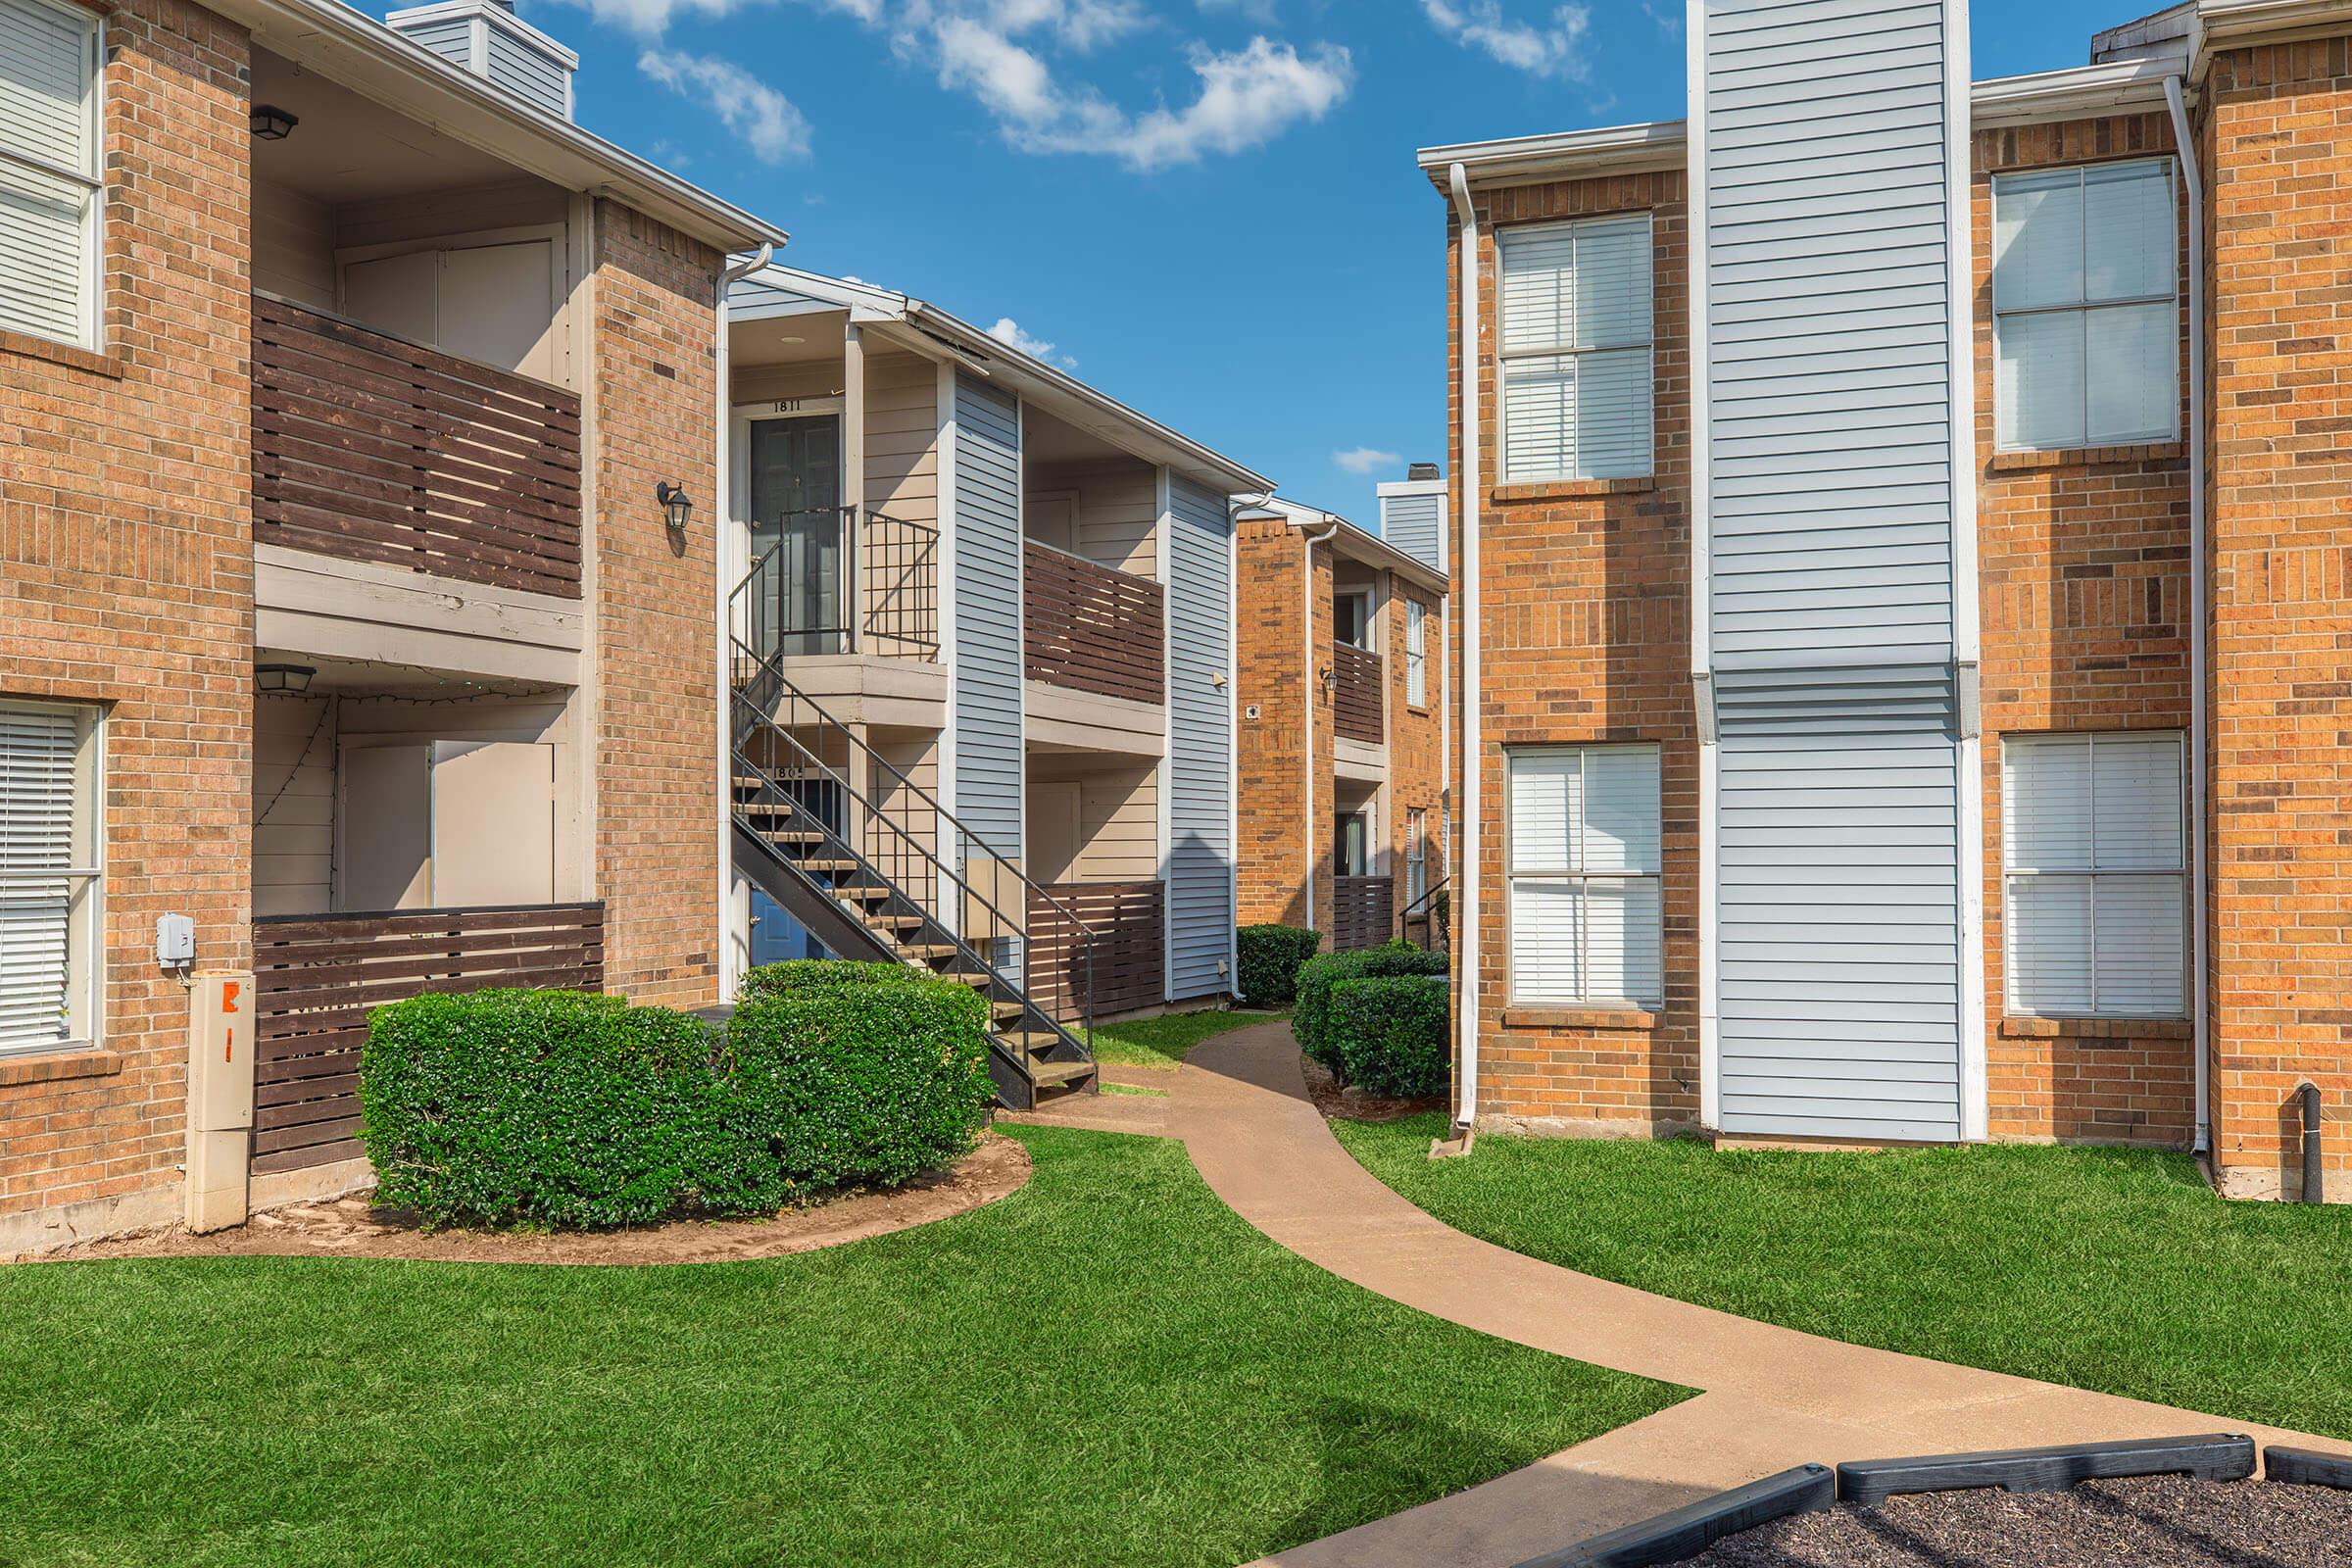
(492, 303)
(384, 827)
(494, 823)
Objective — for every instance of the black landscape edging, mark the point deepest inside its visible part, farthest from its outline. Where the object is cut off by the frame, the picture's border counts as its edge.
(2306, 1468)
(2215, 1456)
(1691, 1530)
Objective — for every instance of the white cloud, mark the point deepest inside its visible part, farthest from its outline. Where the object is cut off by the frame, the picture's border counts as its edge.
(1246, 97)
(1007, 331)
(1669, 18)
(1366, 459)
(762, 117)
(1543, 49)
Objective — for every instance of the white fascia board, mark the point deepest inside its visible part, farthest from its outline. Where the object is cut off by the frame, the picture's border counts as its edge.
(361, 54)
(1410, 487)
(2073, 94)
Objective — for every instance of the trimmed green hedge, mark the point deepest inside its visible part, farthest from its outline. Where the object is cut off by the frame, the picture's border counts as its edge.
(1391, 1033)
(1270, 957)
(543, 1107)
(1312, 1019)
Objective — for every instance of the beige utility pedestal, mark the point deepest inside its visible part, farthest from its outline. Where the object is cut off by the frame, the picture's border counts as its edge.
(220, 1098)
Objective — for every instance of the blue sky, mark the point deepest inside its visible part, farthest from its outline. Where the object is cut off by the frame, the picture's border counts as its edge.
(1208, 208)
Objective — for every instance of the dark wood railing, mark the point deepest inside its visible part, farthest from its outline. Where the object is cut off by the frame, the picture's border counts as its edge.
(1129, 922)
(1362, 912)
(372, 448)
(1356, 676)
(1095, 630)
(318, 976)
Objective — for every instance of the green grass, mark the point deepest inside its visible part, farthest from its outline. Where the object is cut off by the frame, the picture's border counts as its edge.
(1108, 1367)
(1163, 1041)
(2107, 1269)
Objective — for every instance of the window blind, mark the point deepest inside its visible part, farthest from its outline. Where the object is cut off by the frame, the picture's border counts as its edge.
(48, 170)
(36, 896)
(2094, 854)
(1584, 902)
(1416, 654)
(1575, 311)
(2086, 321)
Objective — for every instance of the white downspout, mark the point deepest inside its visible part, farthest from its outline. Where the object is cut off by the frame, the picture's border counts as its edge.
(1314, 696)
(1472, 760)
(722, 520)
(2200, 1012)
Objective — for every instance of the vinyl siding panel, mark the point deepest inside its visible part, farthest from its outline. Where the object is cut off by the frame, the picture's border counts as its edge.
(1201, 759)
(1830, 495)
(988, 619)
(528, 75)
(449, 37)
(1416, 525)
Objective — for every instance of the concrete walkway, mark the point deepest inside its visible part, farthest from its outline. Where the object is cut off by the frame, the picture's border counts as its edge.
(1770, 1397)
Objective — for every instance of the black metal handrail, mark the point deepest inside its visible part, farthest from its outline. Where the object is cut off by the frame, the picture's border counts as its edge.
(768, 704)
(795, 600)
(1426, 909)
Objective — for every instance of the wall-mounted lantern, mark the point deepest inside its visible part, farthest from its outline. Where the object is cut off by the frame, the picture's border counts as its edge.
(272, 123)
(292, 680)
(677, 507)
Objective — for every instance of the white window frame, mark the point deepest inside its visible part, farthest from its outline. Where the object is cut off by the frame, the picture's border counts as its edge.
(1505, 351)
(1580, 876)
(91, 179)
(2002, 315)
(1417, 652)
(86, 877)
(1416, 854)
(2014, 875)
(1361, 598)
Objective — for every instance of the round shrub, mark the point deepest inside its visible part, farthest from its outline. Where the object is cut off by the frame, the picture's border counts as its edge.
(541, 1108)
(1391, 1030)
(1270, 957)
(838, 1079)
(1312, 1021)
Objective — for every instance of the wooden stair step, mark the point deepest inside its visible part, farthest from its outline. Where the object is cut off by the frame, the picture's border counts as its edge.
(814, 862)
(1052, 1074)
(765, 808)
(1029, 1040)
(926, 949)
(1005, 1010)
(894, 922)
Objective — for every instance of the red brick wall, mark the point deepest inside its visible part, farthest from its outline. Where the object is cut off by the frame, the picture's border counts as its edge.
(1417, 736)
(2281, 692)
(656, 390)
(127, 581)
(1587, 637)
(1277, 837)
(2085, 610)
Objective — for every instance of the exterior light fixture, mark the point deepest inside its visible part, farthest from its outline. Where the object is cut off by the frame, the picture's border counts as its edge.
(291, 679)
(676, 506)
(272, 123)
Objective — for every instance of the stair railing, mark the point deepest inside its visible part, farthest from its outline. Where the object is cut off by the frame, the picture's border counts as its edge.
(884, 832)
(1433, 911)
(878, 592)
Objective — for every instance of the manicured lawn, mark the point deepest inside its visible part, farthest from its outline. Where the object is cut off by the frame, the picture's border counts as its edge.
(2103, 1268)
(1107, 1368)
(1162, 1041)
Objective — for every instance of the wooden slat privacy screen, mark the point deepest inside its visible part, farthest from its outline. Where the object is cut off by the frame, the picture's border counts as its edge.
(372, 448)
(318, 975)
(1129, 922)
(1362, 912)
(1093, 630)
(1356, 672)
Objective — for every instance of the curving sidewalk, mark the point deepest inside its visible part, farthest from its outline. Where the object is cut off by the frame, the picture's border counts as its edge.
(1770, 1397)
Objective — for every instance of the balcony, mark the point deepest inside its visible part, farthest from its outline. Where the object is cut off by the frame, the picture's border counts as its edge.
(1356, 693)
(371, 448)
(1362, 912)
(1093, 628)
(318, 977)
(802, 602)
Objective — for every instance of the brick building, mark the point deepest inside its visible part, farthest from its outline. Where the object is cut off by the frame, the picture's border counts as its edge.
(337, 609)
(1900, 580)
(1341, 689)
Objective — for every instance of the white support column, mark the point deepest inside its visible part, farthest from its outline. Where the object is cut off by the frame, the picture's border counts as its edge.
(852, 482)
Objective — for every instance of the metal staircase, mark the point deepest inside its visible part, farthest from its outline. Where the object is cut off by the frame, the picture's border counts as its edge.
(876, 869)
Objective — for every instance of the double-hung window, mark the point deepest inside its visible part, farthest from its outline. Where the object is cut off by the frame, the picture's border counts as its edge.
(2093, 851)
(1585, 899)
(1575, 349)
(49, 171)
(1416, 855)
(2087, 327)
(1416, 654)
(49, 875)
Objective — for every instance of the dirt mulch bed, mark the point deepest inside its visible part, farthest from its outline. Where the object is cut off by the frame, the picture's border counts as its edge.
(2149, 1522)
(1354, 1103)
(351, 1228)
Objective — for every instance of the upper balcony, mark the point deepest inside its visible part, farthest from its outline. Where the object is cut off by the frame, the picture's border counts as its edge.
(1356, 693)
(1094, 628)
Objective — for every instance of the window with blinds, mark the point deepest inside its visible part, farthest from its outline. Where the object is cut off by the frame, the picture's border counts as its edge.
(1416, 654)
(1574, 350)
(49, 171)
(47, 885)
(2095, 856)
(1584, 885)
(2086, 274)
(1416, 855)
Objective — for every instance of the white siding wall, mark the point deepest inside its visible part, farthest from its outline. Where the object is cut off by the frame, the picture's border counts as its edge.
(1201, 741)
(988, 618)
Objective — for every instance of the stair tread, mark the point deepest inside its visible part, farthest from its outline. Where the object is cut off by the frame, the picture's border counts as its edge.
(1060, 1072)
